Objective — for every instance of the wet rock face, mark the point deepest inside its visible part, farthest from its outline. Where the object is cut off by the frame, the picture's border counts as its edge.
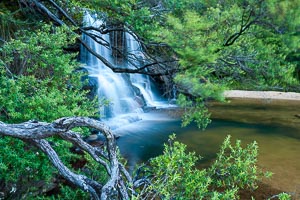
(91, 85)
(95, 139)
(140, 100)
(118, 42)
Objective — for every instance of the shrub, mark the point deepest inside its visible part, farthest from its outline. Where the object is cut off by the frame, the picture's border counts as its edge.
(174, 174)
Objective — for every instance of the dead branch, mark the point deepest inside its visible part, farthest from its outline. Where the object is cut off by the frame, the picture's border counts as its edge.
(42, 9)
(63, 12)
(245, 25)
(79, 180)
(139, 70)
(36, 132)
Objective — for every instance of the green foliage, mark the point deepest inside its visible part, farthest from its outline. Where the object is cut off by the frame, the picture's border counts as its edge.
(284, 196)
(38, 81)
(200, 33)
(66, 192)
(232, 45)
(30, 166)
(118, 13)
(207, 41)
(91, 169)
(236, 166)
(188, 36)
(175, 173)
(175, 176)
(8, 23)
(196, 112)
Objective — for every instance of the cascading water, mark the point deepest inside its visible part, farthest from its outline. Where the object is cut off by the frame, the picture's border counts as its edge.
(120, 89)
(141, 81)
(112, 86)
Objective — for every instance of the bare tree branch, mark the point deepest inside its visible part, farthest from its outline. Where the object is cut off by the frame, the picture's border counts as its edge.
(35, 132)
(101, 29)
(41, 8)
(139, 70)
(2, 40)
(79, 180)
(63, 12)
(245, 25)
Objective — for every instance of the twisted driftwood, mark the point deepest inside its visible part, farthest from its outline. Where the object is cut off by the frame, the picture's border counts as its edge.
(36, 133)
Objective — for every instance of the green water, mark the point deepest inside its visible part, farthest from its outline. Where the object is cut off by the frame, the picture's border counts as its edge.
(279, 149)
(279, 142)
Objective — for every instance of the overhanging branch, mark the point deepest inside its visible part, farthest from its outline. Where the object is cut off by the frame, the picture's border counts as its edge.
(139, 70)
(245, 25)
(41, 8)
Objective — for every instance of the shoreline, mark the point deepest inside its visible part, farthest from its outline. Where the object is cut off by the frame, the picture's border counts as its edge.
(263, 107)
(262, 95)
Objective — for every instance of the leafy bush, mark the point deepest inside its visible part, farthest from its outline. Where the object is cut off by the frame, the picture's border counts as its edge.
(37, 78)
(37, 81)
(174, 174)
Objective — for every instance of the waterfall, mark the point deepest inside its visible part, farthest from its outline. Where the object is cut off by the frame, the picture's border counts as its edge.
(127, 93)
(141, 81)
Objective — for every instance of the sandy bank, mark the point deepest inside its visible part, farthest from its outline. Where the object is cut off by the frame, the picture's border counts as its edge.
(267, 95)
(263, 107)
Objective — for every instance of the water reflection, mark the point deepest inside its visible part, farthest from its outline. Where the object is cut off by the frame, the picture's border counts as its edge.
(279, 146)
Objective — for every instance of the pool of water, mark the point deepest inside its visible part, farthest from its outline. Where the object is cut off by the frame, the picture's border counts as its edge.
(279, 144)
